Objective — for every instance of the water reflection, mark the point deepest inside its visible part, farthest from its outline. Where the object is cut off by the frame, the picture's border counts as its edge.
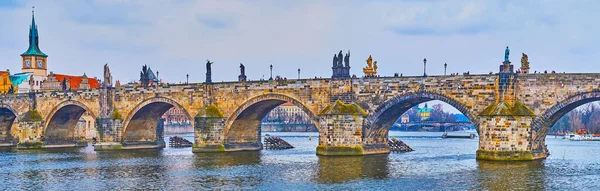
(203, 160)
(334, 169)
(501, 175)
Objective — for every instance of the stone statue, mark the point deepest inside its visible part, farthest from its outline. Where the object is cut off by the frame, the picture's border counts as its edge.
(524, 63)
(506, 53)
(107, 77)
(375, 66)
(335, 60)
(347, 59)
(208, 72)
(371, 69)
(208, 68)
(340, 58)
(242, 69)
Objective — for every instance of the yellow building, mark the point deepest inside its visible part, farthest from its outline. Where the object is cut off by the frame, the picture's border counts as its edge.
(5, 83)
(424, 113)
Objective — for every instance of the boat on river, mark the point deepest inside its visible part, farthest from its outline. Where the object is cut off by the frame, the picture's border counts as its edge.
(582, 135)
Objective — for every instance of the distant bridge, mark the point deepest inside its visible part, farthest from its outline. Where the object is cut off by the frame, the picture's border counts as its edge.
(440, 125)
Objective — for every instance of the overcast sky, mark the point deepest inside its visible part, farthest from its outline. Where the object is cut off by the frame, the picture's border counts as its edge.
(176, 37)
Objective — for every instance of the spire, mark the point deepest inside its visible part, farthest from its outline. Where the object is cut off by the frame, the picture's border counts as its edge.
(34, 46)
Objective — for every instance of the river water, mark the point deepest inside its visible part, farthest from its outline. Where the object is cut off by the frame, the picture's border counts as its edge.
(437, 164)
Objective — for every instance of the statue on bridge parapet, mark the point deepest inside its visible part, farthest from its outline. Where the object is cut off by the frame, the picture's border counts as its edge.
(371, 69)
(506, 54)
(339, 69)
(525, 63)
(107, 77)
(208, 71)
(242, 76)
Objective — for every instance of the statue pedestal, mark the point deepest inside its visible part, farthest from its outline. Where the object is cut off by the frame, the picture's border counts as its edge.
(242, 78)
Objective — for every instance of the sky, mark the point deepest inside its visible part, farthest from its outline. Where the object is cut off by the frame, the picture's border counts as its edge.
(176, 37)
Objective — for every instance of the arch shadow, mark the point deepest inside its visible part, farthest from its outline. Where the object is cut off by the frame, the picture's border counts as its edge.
(7, 118)
(61, 123)
(243, 126)
(379, 123)
(141, 123)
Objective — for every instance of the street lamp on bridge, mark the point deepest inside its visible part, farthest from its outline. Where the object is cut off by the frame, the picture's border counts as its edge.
(424, 67)
(445, 66)
(271, 67)
(187, 78)
(298, 73)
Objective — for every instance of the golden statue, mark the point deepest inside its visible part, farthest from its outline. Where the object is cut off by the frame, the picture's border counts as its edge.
(371, 69)
(524, 63)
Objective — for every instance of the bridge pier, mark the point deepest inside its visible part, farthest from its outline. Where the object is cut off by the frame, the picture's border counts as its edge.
(505, 133)
(341, 131)
(109, 134)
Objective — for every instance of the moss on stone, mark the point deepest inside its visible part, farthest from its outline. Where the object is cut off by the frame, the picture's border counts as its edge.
(116, 114)
(506, 109)
(32, 115)
(340, 108)
(211, 111)
(340, 150)
(30, 145)
(504, 155)
(196, 148)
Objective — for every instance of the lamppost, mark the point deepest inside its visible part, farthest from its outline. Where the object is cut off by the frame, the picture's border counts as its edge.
(424, 67)
(445, 66)
(298, 73)
(271, 67)
(187, 78)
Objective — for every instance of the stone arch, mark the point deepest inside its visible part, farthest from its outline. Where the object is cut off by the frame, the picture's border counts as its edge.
(550, 116)
(139, 125)
(380, 121)
(7, 118)
(60, 123)
(243, 125)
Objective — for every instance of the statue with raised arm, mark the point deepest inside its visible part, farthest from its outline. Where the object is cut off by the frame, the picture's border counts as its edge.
(208, 71)
(208, 68)
(506, 53)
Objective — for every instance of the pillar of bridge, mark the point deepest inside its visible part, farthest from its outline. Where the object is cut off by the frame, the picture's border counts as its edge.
(505, 132)
(341, 131)
(209, 130)
(29, 130)
(109, 133)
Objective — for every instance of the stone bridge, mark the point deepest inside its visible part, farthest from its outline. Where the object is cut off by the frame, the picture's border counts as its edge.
(512, 112)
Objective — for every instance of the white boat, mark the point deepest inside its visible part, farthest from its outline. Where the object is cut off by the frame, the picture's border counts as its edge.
(582, 137)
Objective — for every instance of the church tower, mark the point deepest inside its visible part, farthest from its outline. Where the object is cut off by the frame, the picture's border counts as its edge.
(34, 61)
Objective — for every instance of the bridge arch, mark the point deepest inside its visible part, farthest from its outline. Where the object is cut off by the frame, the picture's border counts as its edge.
(244, 124)
(542, 123)
(7, 118)
(60, 124)
(381, 120)
(140, 124)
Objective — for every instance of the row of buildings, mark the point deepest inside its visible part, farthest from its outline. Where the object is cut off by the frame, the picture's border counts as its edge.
(34, 75)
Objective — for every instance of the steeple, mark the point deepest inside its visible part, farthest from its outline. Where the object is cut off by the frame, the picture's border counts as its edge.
(34, 46)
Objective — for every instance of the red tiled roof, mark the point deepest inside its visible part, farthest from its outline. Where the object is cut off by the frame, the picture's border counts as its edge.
(76, 80)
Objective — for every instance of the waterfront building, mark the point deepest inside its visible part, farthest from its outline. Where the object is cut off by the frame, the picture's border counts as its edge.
(5, 83)
(54, 82)
(404, 118)
(34, 61)
(424, 113)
